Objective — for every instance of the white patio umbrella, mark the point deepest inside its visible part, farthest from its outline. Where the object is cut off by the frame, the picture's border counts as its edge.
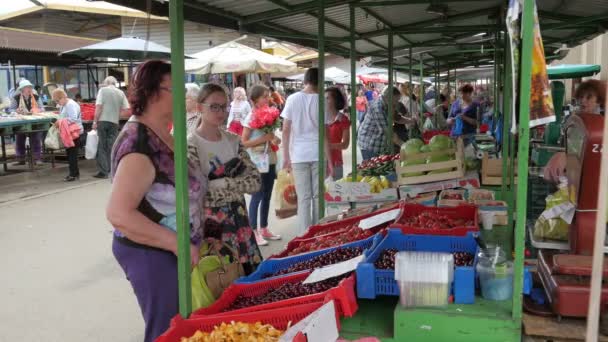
(234, 57)
(332, 74)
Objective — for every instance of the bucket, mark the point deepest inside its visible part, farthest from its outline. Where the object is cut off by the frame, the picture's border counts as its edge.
(495, 275)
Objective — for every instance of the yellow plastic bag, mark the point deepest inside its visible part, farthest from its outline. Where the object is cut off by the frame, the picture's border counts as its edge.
(554, 228)
(285, 195)
(201, 294)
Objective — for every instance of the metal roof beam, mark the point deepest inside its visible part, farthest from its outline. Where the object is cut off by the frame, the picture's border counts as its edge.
(347, 29)
(449, 29)
(577, 22)
(296, 9)
(424, 23)
(213, 10)
(282, 4)
(406, 2)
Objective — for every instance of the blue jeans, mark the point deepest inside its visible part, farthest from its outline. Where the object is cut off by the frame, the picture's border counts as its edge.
(367, 154)
(262, 197)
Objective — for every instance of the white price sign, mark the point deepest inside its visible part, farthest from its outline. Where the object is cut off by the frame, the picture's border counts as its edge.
(379, 219)
(334, 270)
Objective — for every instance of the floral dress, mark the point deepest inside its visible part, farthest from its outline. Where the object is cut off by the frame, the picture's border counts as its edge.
(226, 219)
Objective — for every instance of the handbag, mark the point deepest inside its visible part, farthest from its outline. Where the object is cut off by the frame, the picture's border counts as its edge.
(261, 159)
(225, 274)
(53, 140)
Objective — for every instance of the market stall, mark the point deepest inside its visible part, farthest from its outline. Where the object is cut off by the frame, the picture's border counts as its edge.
(23, 124)
(400, 271)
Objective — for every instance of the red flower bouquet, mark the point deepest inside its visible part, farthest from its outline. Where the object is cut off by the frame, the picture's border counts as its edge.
(267, 120)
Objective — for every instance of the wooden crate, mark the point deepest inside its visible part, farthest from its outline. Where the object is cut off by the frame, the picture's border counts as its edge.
(491, 171)
(457, 164)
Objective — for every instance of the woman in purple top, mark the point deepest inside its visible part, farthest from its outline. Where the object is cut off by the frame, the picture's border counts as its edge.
(464, 109)
(142, 202)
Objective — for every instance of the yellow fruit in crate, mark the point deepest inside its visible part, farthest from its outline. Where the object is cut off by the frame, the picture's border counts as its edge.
(366, 179)
(385, 182)
(359, 177)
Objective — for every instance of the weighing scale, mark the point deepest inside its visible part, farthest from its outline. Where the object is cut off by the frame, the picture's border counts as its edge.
(566, 277)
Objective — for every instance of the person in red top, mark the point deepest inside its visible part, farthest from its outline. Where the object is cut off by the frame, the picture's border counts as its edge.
(361, 105)
(339, 129)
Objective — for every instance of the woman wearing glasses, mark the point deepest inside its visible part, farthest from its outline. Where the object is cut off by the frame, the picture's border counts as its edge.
(231, 175)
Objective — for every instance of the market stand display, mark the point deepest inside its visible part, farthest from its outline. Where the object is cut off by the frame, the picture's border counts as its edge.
(23, 124)
(483, 320)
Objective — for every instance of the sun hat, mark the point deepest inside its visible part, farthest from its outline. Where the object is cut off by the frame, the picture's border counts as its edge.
(25, 83)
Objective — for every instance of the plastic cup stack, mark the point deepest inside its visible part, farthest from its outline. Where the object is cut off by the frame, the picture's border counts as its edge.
(424, 278)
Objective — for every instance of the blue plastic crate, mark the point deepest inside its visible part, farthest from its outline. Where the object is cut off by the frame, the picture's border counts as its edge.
(372, 282)
(274, 265)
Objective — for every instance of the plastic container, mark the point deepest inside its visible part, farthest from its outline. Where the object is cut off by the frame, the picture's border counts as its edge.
(372, 282)
(495, 275)
(466, 212)
(271, 266)
(343, 294)
(487, 219)
(424, 278)
(280, 319)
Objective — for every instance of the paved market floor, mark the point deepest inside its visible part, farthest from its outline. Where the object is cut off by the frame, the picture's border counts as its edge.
(60, 280)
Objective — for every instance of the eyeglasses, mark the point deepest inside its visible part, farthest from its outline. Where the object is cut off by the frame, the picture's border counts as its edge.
(166, 89)
(216, 108)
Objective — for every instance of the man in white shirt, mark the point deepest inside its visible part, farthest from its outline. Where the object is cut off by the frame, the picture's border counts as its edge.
(111, 103)
(301, 147)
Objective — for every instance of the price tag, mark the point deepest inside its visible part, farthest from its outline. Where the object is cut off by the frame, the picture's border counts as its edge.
(379, 219)
(320, 325)
(360, 189)
(334, 270)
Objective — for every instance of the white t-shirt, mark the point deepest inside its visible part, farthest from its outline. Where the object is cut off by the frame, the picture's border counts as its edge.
(239, 111)
(302, 110)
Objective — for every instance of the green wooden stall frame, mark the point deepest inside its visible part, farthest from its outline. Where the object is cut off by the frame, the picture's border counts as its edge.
(485, 319)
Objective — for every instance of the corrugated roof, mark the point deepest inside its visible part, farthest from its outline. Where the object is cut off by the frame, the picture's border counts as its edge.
(572, 21)
(16, 39)
(24, 47)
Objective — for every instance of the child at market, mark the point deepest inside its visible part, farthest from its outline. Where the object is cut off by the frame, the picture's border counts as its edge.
(258, 144)
(231, 174)
(339, 129)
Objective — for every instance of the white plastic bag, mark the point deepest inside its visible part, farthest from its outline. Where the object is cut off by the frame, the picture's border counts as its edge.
(52, 140)
(90, 149)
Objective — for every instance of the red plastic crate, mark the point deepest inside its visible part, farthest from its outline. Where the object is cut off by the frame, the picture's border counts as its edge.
(428, 135)
(280, 318)
(468, 212)
(339, 225)
(343, 294)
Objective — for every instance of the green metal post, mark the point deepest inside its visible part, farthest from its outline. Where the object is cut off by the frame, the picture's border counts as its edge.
(322, 156)
(523, 141)
(421, 95)
(176, 18)
(506, 121)
(411, 87)
(354, 93)
(391, 109)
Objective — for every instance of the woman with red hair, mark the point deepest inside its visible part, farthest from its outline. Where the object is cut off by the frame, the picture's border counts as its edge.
(591, 97)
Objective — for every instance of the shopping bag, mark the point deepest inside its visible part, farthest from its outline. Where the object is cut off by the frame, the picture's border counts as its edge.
(261, 159)
(90, 149)
(285, 195)
(458, 127)
(53, 140)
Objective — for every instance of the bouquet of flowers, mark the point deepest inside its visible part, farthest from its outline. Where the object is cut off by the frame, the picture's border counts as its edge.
(267, 120)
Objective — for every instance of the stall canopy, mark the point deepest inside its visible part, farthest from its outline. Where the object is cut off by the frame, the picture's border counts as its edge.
(234, 57)
(565, 71)
(124, 48)
(455, 34)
